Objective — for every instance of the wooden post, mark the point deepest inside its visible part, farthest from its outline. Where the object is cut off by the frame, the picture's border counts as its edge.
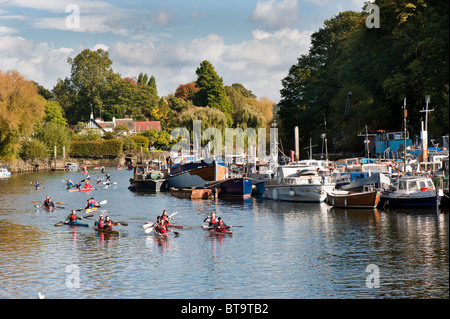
(55, 150)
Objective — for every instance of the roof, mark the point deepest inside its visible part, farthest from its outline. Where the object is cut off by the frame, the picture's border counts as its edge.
(146, 125)
(127, 122)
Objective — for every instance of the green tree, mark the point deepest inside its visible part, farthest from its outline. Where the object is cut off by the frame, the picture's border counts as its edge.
(54, 113)
(212, 92)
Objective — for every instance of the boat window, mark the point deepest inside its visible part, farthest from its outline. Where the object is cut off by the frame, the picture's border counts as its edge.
(402, 186)
(430, 184)
(413, 186)
(422, 184)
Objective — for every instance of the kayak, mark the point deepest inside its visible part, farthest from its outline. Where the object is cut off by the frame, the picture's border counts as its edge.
(48, 209)
(175, 226)
(76, 224)
(106, 231)
(90, 210)
(161, 235)
(81, 189)
(217, 231)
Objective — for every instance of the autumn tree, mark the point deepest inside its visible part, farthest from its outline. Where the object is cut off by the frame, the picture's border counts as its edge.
(21, 107)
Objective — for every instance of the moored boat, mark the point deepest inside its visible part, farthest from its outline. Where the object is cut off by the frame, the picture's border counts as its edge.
(192, 193)
(4, 171)
(236, 187)
(148, 179)
(196, 174)
(347, 199)
(298, 183)
(410, 192)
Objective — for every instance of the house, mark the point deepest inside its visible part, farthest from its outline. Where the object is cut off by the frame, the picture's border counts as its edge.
(133, 126)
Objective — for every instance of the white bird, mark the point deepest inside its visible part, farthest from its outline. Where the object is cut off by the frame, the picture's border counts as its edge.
(41, 296)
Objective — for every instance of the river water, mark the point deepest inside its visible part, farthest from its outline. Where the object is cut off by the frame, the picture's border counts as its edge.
(285, 250)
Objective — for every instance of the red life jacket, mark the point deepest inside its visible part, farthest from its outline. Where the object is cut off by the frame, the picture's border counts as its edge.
(164, 218)
(101, 223)
(161, 229)
(73, 218)
(212, 220)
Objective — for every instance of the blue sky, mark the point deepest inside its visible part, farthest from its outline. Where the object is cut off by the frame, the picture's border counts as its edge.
(248, 41)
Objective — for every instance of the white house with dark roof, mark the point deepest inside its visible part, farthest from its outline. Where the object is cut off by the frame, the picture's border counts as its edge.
(133, 127)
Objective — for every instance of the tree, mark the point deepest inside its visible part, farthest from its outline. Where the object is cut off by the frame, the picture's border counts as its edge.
(212, 92)
(54, 113)
(186, 91)
(21, 108)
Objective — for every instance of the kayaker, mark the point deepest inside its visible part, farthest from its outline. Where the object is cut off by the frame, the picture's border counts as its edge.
(94, 202)
(89, 204)
(165, 219)
(88, 185)
(160, 226)
(99, 180)
(100, 222)
(73, 217)
(48, 203)
(108, 223)
(78, 186)
(211, 219)
(220, 224)
(37, 185)
(69, 183)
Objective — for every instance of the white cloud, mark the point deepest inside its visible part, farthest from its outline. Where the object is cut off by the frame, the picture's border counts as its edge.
(273, 14)
(39, 62)
(7, 30)
(259, 63)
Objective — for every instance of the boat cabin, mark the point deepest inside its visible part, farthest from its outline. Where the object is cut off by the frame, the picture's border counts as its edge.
(412, 185)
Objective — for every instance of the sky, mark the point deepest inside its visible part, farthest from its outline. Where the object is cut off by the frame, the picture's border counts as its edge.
(252, 42)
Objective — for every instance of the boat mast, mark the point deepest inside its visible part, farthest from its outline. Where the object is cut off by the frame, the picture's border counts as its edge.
(424, 132)
(404, 134)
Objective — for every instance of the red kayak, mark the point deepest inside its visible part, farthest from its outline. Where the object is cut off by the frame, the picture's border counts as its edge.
(81, 189)
(217, 230)
(161, 235)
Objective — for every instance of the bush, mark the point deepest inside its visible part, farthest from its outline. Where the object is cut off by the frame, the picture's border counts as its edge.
(96, 148)
(34, 149)
(140, 141)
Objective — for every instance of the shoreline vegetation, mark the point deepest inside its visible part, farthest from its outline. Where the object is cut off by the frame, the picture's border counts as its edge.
(407, 57)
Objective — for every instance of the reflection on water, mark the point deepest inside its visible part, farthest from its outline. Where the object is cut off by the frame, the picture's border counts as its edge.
(284, 250)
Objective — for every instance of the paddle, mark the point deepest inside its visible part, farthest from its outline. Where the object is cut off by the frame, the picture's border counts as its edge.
(59, 224)
(149, 230)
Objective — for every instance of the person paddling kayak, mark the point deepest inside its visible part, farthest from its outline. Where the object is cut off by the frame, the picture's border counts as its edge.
(108, 223)
(160, 226)
(88, 185)
(73, 217)
(37, 185)
(211, 219)
(48, 203)
(220, 224)
(100, 222)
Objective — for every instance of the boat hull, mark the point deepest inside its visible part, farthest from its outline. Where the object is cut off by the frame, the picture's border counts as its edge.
(192, 193)
(298, 193)
(409, 202)
(196, 174)
(238, 187)
(148, 185)
(354, 200)
(80, 190)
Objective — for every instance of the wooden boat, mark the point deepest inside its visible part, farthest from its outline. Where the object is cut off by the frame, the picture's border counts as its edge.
(353, 200)
(192, 193)
(217, 231)
(106, 231)
(76, 224)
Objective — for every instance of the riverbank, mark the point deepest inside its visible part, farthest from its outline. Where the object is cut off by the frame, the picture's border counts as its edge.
(47, 164)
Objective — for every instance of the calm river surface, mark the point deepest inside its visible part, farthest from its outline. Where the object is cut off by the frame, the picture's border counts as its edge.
(284, 250)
